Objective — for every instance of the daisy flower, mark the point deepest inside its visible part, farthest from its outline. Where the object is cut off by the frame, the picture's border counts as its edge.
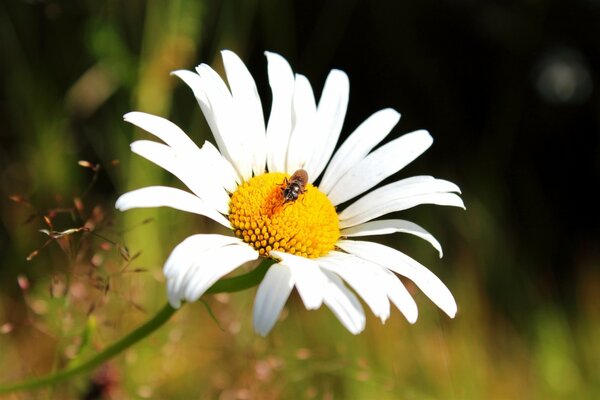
(247, 184)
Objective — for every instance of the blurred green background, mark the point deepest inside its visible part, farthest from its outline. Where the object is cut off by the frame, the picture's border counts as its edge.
(509, 91)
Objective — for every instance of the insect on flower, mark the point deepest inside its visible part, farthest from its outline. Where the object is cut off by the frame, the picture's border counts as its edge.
(295, 186)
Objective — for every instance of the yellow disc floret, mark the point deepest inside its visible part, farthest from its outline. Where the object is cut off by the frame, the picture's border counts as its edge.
(307, 226)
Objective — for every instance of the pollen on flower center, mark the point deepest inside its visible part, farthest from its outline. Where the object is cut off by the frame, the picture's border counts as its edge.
(306, 227)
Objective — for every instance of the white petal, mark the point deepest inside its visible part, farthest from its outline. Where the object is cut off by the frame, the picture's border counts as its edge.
(344, 304)
(402, 264)
(181, 144)
(179, 264)
(215, 264)
(173, 294)
(162, 128)
(162, 196)
(189, 167)
(279, 128)
(372, 131)
(271, 296)
(195, 244)
(364, 280)
(231, 140)
(199, 261)
(205, 268)
(401, 297)
(330, 118)
(387, 226)
(382, 282)
(249, 108)
(215, 165)
(307, 277)
(304, 134)
(194, 81)
(380, 164)
(400, 195)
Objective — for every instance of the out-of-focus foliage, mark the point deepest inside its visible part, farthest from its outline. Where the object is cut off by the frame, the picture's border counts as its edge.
(510, 94)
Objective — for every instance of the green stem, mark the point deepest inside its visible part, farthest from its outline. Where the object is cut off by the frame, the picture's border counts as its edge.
(138, 334)
(234, 284)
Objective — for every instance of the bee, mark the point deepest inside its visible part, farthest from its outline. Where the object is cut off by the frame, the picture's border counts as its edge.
(295, 186)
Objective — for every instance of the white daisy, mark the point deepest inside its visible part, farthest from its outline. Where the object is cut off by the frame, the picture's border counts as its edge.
(241, 186)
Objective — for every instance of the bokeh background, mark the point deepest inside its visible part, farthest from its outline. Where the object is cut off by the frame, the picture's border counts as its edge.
(509, 91)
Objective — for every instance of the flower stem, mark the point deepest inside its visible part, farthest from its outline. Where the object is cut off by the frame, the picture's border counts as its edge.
(141, 332)
(234, 284)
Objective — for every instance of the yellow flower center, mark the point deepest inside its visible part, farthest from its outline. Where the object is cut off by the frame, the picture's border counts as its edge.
(307, 226)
